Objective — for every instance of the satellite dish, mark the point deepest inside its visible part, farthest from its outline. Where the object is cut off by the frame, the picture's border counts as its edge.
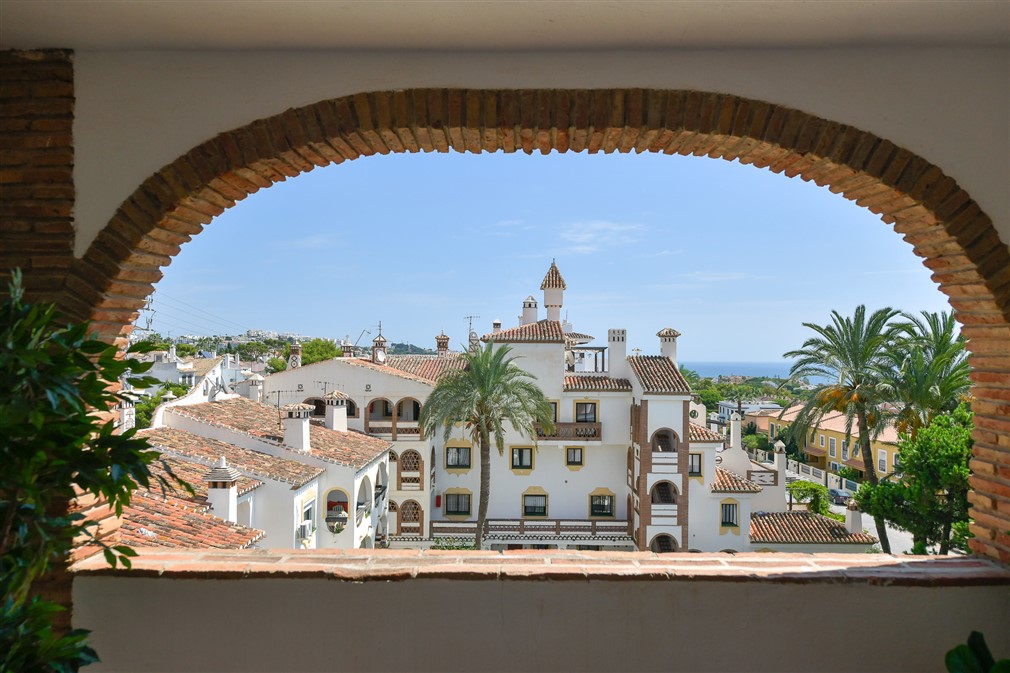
(380, 356)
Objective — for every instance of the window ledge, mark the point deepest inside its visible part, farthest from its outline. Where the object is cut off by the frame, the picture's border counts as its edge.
(406, 564)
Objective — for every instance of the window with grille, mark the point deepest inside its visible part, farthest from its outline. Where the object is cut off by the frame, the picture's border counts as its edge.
(601, 505)
(585, 412)
(534, 505)
(694, 464)
(845, 450)
(831, 447)
(457, 457)
(457, 503)
(554, 411)
(522, 458)
(574, 455)
(730, 515)
(881, 461)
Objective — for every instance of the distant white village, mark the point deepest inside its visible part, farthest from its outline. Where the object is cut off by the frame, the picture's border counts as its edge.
(331, 455)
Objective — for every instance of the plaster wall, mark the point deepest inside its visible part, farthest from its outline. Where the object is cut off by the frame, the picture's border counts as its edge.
(650, 625)
(137, 111)
(666, 411)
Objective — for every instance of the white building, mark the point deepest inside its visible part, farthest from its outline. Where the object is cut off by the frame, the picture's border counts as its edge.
(662, 482)
(729, 407)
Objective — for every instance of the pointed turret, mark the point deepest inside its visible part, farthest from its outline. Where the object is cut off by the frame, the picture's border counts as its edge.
(554, 287)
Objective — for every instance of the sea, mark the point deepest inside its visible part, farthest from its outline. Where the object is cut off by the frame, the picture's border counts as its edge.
(778, 369)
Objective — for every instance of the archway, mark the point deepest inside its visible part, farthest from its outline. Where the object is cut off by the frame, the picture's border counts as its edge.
(408, 474)
(411, 519)
(938, 218)
(664, 493)
(663, 544)
(665, 440)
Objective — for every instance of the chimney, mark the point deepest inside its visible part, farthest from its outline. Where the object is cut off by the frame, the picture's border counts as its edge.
(554, 287)
(295, 359)
(496, 326)
(853, 518)
(347, 347)
(336, 410)
(735, 439)
(171, 353)
(442, 343)
(529, 310)
(780, 462)
(222, 490)
(379, 347)
(255, 388)
(668, 343)
(296, 425)
(617, 347)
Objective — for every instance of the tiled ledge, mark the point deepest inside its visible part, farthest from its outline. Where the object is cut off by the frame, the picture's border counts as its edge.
(401, 565)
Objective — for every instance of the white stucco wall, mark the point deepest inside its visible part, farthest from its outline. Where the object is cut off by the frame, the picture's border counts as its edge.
(138, 111)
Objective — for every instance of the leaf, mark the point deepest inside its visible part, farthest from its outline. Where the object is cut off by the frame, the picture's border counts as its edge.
(976, 641)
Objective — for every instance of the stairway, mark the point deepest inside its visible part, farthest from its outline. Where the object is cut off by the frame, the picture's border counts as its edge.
(663, 544)
(664, 443)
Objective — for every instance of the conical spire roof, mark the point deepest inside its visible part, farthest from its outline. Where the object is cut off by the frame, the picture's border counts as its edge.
(553, 279)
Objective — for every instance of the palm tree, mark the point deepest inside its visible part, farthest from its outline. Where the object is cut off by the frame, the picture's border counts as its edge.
(487, 392)
(929, 372)
(852, 353)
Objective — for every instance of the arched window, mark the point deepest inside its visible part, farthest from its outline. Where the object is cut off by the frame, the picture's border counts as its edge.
(665, 440)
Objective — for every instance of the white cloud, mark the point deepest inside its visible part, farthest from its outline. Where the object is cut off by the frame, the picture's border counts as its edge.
(598, 235)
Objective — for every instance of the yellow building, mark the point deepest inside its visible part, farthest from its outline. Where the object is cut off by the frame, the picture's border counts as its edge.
(828, 448)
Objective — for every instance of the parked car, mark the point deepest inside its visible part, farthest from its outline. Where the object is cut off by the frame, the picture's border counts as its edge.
(839, 496)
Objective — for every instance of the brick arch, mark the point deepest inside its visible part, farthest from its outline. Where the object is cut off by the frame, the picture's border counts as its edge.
(939, 219)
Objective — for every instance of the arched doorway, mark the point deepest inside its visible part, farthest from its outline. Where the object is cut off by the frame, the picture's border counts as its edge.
(923, 204)
(409, 471)
(663, 544)
(665, 440)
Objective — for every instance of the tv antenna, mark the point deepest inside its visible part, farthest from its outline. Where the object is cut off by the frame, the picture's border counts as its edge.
(470, 318)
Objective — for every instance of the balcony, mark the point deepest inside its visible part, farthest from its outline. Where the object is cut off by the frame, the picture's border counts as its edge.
(572, 432)
(512, 528)
(664, 514)
(665, 462)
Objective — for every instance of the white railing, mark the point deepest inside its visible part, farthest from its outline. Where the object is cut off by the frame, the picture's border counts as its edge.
(539, 527)
(665, 462)
(662, 512)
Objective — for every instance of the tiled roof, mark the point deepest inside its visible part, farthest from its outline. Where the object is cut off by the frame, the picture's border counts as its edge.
(730, 482)
(427, 367)
(668, 332)
(553, 279)
(576, 383)
(578, 337)
(835, 422)
(658, 375)
(192, 473)
(261, 420)
(206, 451)
(201, 365)
(802, 528)
(542, 332)
(698, 433)
(385, 369)
(153, 520)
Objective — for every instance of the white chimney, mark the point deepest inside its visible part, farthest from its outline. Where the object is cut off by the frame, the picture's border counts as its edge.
(780, 462)
(617, 348)
(296, 425)
(853, 518)
(668, 343)
(496, 326)
(529, 310)
(735, 438)
(255, 392)
(336, 410)
(222, 490)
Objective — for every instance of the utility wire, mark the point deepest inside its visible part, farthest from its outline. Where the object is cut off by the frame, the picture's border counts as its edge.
(196, 308)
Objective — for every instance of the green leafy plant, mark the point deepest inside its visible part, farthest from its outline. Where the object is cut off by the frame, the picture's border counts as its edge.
(816, 495)
(55, 385)
(974, 657)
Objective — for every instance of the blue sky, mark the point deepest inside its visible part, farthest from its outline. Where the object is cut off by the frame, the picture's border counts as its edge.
(733, 257)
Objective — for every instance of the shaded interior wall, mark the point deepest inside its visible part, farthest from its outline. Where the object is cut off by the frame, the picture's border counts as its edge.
(161, 624)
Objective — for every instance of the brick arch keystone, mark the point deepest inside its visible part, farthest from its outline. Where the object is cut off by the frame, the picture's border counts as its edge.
(927, 208)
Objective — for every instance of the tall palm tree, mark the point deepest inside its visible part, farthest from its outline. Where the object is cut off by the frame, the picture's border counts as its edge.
(487, 392)
(852, 353)
(929, 372)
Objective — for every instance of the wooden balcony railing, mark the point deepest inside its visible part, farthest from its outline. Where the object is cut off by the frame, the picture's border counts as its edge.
(581, 432)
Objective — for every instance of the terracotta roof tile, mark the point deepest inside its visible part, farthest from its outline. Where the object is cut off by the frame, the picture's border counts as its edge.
(427, 367)
(658, 375)
(542, 331)
(192, 447)
(835, 422)
(192, 473)
(385, 369)
(589, 383)
(802, 528)
(668, 332)
(578, 337)
(553, 279)
(153, 520)
(242, 415)
(201, 366)
(730, 482)
(699, 433)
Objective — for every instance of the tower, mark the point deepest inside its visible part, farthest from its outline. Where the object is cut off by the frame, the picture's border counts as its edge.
(442, 343)
(554, 289)
(379, 347)
(295, 359)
